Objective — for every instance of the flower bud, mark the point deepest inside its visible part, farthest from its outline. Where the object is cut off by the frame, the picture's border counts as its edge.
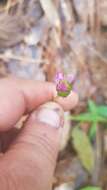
(63, 84)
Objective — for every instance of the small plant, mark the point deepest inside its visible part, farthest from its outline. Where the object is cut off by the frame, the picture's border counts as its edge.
(96, 114)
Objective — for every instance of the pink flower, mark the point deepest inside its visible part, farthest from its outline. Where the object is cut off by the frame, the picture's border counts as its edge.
(63, 84)
(70, 78)
(59, 76)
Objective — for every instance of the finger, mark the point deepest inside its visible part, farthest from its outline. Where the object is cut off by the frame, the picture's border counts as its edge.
(31, 161)
(19, 96)
(6, 138)
(69, 102)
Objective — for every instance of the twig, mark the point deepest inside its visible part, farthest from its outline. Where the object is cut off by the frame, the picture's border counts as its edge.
(22, 59)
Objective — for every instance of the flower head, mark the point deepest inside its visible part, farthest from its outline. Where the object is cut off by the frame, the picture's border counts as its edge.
(63, 84)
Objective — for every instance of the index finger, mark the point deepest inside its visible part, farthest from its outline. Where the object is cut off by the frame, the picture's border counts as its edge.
(19, 96)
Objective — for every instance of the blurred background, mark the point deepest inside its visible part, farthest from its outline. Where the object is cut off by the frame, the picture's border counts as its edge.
(41, 37)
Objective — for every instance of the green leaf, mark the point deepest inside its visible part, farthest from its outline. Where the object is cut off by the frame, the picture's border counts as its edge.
(83, 117)
(91, 188)
(92, 131)
(87, 117)
(84, 149)
(102, 111)
(92, 107)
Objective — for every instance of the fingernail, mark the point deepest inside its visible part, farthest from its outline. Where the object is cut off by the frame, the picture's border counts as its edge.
(51, 114)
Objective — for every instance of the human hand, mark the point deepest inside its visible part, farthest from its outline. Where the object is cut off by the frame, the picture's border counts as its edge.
(30, 160)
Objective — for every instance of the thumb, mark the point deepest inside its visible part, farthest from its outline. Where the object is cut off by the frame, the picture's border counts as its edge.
(32, 158)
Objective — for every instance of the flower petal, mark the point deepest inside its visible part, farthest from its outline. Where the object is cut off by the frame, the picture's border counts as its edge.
(70, 78)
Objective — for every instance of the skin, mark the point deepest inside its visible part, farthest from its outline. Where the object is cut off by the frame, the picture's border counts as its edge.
(29, 161)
